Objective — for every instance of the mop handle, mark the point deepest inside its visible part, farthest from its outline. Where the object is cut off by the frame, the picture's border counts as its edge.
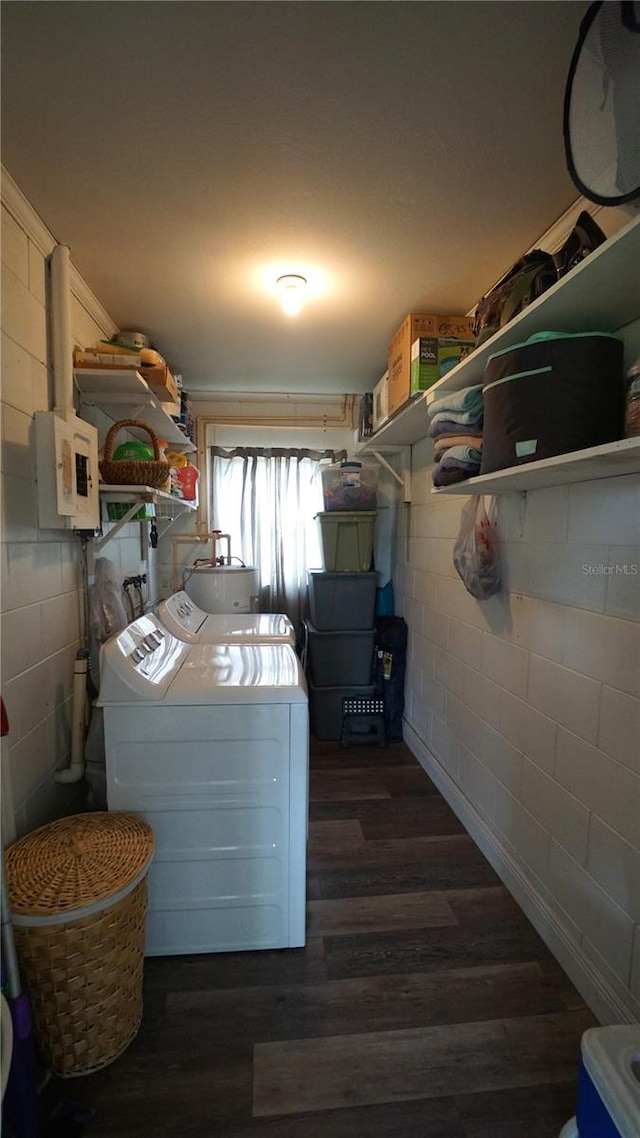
(8, 942)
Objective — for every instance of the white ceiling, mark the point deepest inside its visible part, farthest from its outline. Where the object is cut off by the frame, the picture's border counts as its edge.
(400, 155)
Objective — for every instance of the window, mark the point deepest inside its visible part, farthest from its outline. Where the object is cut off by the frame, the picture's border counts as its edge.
(266, 500)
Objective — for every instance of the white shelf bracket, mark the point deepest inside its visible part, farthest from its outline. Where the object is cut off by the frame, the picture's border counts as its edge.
(404, 477)
(102, 541)
(167, 526)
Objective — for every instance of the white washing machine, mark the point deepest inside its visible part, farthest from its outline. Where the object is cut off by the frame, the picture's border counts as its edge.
(210, 744)
(180, 615)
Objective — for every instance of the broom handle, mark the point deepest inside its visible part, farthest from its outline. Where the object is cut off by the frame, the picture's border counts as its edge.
(8, 942)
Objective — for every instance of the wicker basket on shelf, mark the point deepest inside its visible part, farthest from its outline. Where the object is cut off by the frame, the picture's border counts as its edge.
(133, 471)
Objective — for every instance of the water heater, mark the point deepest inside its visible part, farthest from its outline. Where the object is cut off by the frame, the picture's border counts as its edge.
(67, 471)
(224, 588)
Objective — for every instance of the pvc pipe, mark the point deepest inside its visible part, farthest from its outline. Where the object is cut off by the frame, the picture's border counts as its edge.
(61, 328)
(75, 771)
(195, 539)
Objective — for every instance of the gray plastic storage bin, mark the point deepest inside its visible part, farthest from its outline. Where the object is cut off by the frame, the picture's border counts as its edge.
(325, 708)
(341, 600)
(341, 657)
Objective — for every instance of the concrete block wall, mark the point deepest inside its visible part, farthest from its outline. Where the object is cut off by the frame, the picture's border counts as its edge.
(525, 709)
(40, 572)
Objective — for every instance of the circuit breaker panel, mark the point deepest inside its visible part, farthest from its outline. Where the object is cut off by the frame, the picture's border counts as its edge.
(67, 467)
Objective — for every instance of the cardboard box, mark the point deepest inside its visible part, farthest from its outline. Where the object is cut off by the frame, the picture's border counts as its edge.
(415, 326)
(162, 383)
(432, 358)
(458, 327)
(381, 401)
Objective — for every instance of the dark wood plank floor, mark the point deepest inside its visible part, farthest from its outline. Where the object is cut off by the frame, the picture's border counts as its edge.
(423, 1006)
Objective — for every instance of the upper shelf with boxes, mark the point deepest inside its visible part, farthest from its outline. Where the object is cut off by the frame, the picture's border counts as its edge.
(424, 349)
(127, 379)
(601, 294)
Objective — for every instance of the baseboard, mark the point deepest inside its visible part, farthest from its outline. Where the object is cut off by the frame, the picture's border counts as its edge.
(606, 1004)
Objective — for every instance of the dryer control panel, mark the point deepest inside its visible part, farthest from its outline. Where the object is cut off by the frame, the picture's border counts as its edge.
(181, 616)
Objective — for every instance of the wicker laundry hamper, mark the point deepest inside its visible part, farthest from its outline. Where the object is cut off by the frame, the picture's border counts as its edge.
(78, 895)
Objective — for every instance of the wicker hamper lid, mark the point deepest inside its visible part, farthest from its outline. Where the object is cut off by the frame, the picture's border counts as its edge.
(75, 865)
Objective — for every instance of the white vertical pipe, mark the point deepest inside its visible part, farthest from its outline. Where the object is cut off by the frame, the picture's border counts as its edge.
(61, 328)
(75, 771)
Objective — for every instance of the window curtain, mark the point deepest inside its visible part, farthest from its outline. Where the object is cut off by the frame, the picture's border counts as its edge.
(266, 500)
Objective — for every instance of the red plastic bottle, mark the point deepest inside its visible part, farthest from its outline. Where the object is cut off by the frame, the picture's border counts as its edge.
(188, 478)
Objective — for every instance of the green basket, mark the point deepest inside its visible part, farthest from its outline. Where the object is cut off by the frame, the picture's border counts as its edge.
(117, 510)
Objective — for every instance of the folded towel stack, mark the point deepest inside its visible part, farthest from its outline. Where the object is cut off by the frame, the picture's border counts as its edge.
(456, 428)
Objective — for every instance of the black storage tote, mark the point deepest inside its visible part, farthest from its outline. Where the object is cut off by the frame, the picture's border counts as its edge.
(555, 393)
(389, 670)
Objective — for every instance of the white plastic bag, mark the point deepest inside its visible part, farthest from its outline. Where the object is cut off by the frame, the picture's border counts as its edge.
(476, 554)
(107, 612)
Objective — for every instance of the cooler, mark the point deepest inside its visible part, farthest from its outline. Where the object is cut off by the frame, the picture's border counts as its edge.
(608, 1085)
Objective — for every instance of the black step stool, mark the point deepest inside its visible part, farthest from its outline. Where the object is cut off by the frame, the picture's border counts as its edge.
(363, 720)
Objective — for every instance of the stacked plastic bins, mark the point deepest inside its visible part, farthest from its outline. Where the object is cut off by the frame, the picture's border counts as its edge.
(341, 637)
(342, 596)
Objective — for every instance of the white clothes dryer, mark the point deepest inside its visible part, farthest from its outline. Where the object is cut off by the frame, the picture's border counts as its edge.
(209, 743)
(182, 617)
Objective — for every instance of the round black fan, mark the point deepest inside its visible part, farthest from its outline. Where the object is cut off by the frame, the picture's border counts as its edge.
(602, 104)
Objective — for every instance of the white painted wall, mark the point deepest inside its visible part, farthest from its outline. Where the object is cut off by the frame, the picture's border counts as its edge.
(525, 710)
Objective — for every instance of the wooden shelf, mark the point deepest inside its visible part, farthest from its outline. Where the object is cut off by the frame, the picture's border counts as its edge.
(124, 394)
(408, 426)
(608, 461)
(602, 294)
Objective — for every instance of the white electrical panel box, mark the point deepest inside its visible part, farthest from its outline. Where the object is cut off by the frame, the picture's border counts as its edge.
(67, 466)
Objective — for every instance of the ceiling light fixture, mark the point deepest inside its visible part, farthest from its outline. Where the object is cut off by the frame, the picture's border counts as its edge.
(291, 287)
